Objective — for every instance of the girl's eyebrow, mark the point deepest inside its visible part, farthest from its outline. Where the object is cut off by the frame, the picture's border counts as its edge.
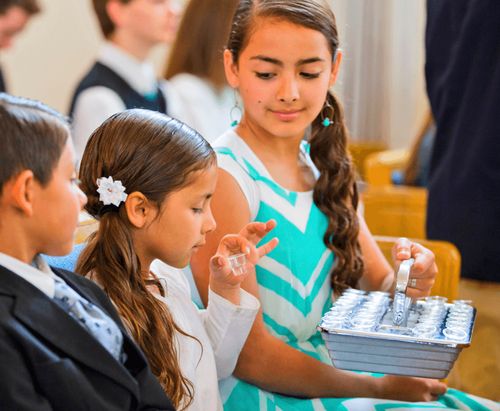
(280, 63)
(205, 196)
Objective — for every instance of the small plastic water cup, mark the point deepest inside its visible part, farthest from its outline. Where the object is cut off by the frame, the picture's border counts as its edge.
(361, 323)
(455, 333)
(238, 263)
(467, 303)
(436, 300)
(425, 330)
(462, 309)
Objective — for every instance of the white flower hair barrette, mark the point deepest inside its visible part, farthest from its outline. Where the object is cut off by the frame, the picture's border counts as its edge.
(111, 192)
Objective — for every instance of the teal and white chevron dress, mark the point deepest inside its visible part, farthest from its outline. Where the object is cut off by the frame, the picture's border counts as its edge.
(295, 287)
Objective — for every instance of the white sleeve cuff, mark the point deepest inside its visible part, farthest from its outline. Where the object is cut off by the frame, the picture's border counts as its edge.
(228, 326)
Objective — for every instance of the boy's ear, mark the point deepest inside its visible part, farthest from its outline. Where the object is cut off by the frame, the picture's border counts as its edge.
(19, 192)
(231, 70)
(139, 209)
(114, 9)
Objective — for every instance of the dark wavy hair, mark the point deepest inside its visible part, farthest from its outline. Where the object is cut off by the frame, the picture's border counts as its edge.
(335, 191)
(155, 155)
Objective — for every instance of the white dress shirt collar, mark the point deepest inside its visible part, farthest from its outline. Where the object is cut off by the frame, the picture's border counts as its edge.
(41, 277)
(140, 75)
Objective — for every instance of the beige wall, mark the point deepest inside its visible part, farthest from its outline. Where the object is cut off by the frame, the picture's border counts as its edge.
(57, 47)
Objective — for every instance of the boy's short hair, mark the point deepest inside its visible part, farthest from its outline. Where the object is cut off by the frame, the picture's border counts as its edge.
(32, 137)
(105, 23)
(29, 6)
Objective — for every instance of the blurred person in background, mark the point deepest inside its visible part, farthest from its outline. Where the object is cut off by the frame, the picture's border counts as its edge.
(122, 77)
(14, 16)
(196, 68)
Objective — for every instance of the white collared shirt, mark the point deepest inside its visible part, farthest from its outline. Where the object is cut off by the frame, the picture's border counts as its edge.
(41, 277)
(202, 107)
(96, 104)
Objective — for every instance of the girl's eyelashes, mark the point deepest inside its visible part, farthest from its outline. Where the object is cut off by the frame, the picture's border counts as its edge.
(265, 76)
(310, 76)
(197, 210)
(269, 76)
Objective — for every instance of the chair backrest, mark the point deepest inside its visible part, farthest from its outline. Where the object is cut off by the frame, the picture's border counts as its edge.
(447, 261)
(395, 210)
(378, 167)
(66, 262)
(360, 150)
(86, 226)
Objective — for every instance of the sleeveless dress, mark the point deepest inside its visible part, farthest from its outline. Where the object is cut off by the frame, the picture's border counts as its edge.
(294, 286)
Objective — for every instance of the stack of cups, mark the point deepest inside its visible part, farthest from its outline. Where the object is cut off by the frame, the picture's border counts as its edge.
(341, 310)
(458, 321)
(430, 319)
(371, 310)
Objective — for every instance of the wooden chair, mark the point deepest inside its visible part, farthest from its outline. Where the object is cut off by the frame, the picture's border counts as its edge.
(378, 167)
(360, 150)
(86, 226)
(395, 210)
(447, 261)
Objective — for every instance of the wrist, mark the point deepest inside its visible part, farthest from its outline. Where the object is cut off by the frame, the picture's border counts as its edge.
(227, 291)
(376, 387)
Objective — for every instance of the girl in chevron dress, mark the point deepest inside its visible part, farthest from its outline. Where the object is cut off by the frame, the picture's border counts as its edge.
(287, 160)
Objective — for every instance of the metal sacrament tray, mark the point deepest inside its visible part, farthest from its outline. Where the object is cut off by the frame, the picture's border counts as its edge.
(390, 349)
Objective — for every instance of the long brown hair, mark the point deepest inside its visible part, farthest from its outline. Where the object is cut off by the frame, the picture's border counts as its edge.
(155, 155)
(335, 191)
(201, 38)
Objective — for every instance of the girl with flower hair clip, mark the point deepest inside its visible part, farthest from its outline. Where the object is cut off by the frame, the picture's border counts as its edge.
(149, 180)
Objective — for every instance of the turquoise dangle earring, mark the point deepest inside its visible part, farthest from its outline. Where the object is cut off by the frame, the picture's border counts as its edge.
(235, 113)
(327, 114)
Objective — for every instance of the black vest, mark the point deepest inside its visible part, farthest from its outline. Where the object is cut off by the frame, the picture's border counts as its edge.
(101, 75)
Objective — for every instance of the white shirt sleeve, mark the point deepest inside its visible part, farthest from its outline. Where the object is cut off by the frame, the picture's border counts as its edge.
(228, 326)
(92, 107)
(224, 325)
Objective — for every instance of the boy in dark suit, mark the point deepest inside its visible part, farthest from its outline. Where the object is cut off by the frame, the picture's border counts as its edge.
(62, 345)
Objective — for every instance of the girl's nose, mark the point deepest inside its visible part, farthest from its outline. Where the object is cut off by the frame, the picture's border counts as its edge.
(209, 224)
(289, 91)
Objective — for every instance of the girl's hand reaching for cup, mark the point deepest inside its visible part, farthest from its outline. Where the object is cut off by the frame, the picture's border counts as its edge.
(224, 279)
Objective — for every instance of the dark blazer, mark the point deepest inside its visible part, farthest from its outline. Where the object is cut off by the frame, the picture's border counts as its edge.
(50, 362)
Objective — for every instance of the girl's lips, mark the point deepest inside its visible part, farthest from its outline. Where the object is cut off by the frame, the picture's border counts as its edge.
(287, 115)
